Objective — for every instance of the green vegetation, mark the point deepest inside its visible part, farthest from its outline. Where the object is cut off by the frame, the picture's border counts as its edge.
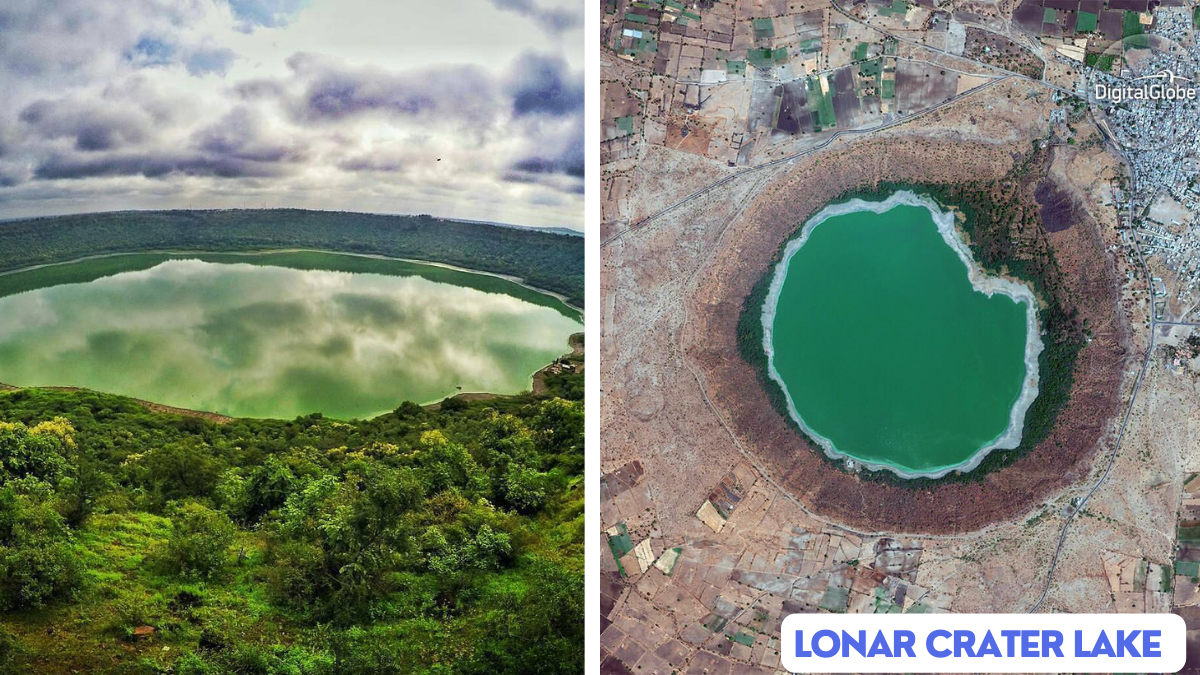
(549, 261)
(821, 104)
(763, 28)
(1086, 22)
(871, 69)
(1102, 62)
(1134, 32)
(999, 223)
(760, 58)
(625, 125)
(423, 541)
(1049, 15)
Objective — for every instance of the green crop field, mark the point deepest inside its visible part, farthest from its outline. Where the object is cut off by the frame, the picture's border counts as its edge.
(1134, 32)
(1086, 22)
(821, 105)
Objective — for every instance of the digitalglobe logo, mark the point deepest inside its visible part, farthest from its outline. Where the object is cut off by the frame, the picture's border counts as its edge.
(1145, 92)
(1161, 86)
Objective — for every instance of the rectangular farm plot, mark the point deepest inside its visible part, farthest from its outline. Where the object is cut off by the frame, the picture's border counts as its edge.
(821, 102)
(922, 85)
(1086, 22)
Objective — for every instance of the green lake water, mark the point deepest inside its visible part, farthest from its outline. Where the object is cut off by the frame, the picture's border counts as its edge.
(275, 335)
(887, 350)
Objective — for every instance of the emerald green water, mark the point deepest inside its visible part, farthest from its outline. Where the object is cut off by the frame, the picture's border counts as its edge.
(275, 335)
(886, 349)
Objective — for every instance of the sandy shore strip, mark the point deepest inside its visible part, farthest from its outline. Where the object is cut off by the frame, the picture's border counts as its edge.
(980, 281)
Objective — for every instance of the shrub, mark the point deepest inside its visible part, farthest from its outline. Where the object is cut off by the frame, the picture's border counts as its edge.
(38, 563)
(200, 540)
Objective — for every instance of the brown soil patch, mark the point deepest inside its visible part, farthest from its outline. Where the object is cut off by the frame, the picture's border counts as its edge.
(1058, 208)
(788, 458)
(687, 136)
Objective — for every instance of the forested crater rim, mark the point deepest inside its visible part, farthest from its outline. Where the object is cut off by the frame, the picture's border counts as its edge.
(981, 282)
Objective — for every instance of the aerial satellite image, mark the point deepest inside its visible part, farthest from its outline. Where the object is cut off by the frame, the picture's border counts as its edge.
(898, 315)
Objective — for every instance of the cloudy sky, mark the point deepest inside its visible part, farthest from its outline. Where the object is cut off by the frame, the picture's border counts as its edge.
(325, 104)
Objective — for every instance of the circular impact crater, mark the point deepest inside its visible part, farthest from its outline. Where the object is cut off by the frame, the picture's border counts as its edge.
(892, 348)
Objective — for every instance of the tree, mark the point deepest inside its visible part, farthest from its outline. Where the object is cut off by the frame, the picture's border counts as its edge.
(265, 488)
(200, 540)
(37, 560)
(338, 538)
(36, 452)
(181, 470)
(524, 488)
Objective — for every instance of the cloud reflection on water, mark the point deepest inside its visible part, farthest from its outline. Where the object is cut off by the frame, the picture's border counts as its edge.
(274, 342)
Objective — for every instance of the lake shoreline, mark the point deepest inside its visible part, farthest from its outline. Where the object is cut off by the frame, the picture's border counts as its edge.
(296, 258)
(267, 251)
(217, 418)
(980, 281)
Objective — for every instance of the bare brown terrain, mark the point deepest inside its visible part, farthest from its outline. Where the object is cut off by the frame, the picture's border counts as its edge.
(787, 456)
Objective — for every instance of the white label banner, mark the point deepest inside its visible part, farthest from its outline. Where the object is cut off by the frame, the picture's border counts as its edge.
(984, 643)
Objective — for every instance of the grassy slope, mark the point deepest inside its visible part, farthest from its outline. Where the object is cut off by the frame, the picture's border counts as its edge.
(231, 616)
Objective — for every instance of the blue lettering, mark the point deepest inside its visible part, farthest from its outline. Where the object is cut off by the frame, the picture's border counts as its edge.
(904, 643)
(1103, 646)
(1126, 642)
(1011, 636)
(1028, 644)
(816, 644)
(988, 646)
(1079, 650)
(1150, 648)
(859, 645)
(964, 641)
(1052, 642)
(938, 653)
(801, 652)
(880, 646)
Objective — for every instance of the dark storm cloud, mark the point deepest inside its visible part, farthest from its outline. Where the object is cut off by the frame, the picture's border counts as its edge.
(332, 91)
(558, 153)
(93, 127)
(244, 134)
(153, 165)
(97, 96)
(551, 19)
(569, 165)
(39, 38)
(544, 84)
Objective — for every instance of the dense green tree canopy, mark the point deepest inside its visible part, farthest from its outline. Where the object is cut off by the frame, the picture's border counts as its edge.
(424, 541)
